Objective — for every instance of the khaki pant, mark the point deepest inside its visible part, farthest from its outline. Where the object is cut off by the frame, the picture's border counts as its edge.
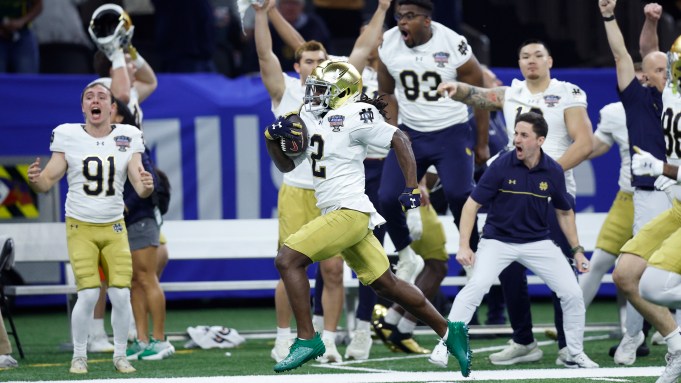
(5, 347)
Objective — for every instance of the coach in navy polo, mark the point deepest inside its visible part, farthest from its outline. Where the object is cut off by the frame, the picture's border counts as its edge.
(516, 188)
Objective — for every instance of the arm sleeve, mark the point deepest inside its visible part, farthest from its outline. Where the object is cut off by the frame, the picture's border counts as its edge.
(488, 186)
(560, 197)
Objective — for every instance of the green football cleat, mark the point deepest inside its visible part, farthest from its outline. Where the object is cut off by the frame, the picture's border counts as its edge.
(459, 346)
(300, 352)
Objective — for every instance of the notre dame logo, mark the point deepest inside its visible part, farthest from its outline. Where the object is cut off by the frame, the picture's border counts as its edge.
(543, 186)
(367, 116)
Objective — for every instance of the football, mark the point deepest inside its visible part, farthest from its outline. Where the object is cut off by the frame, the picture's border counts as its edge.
(296, 147)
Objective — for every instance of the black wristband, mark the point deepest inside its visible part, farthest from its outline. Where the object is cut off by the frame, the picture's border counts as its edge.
(577, 249)
(609, 18)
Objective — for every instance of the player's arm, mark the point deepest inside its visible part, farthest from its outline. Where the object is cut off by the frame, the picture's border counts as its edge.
(386, 88)
(121, 83)
(475, 96)
(598, 147)
(145, 77)
(579, 129)
(286, 31)
(471, 73)
(405, 157)
(465, 255)
(370, 37)
(270, 67)
(648, 40)
(623, 61)
(42, 180)
(142, 181)
(566, 221)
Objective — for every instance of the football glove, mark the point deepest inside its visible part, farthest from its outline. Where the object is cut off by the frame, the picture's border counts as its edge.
(414, 223)
(410, 198)
(283, 128)
(110, 48)
(644, 164)
(663, 183)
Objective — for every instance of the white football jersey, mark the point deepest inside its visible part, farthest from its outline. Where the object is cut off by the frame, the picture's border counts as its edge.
(133, 104)
(612, 128)
(671, 106)
(291, 101)
(419, 70)
(336, 151)
(370, 88)
(552, 104)
(97, 169)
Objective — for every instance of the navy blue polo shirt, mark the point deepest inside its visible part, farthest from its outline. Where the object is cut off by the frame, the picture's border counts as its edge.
(518, 198)
(643, 109)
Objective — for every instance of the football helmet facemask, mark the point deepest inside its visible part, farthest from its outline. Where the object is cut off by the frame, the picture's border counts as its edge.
(674, 66)
(330, 85)
(110, 23)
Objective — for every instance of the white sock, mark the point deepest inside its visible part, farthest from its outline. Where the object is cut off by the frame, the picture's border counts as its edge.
(329, 335)
(81, 316)
(283, 333)
(120, 318)
(674, 340)
(601, 262)
(363, 325)
(318, 322)
(392, 316)
(405, 326)
(97, 327)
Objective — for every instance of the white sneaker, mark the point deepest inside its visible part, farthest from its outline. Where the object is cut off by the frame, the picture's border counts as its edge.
(439, 356)
(122, 365)
(99, 343)
(6, 361)
(672, 372)
(360, 345)
(331, 355)
(626, 351)
(563, 356)
(78, 365)
(658, 339)
(517, 353)
(280, 349)
(409, 265)
(580, 361)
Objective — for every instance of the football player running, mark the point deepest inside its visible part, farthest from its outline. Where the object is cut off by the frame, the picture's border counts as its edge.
(97, 158)
(340, 128)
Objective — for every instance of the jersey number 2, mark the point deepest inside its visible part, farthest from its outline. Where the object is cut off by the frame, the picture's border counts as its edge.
(98, 176)
(318, 154)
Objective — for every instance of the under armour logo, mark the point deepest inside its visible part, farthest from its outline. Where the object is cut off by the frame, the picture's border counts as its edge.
(413, 202)
(463, 48)
(278, 125)
(419, 58)
(100, 143)
(511, 182)
(576, 91)
(74, 226)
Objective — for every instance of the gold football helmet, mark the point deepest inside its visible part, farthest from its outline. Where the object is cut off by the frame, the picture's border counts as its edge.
(674, 65)
(330, 85)
(109, 23)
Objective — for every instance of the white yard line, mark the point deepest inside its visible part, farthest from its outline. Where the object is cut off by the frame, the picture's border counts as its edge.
(606, 374)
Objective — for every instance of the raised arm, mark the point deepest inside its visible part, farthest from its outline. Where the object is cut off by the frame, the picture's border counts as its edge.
(370, 37)
(648, 41)
(623, 61)
(477, 97)
(386, 88)
(145, 78)
(579, 129)
(285, 30)
(270, 67)
(42, 181)
(142, 181)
